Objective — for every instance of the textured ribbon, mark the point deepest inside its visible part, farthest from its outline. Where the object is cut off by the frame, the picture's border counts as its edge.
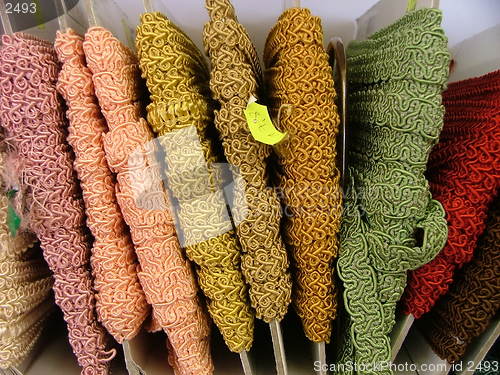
(181, 113)
(235, 76)
(391, 224)
(25, 284)
(164, 273)
(33, 118)
(121, 304)
(299, 76)
(464, 175)
(473, 299)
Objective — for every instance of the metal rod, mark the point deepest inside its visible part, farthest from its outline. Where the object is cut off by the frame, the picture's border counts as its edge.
(91, 13)
(279, 348)
(13, 371)
(245, 363)
(320, 357)
(399, 332)
(7, 27)
(336, 50)
(132, 367)
(148, 6)
(61, 14)
(287, 4)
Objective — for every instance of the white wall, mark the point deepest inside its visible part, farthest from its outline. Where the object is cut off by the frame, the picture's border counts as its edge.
(462, 18)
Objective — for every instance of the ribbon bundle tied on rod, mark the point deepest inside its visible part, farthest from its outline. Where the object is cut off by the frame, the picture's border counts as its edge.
(33, 118)
(299, 76)
(165, 275)
(181, 113)
(391, 223)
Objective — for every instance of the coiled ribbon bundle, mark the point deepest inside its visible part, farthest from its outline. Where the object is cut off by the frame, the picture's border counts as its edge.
(181, 113)
(25, 285)
(32, 116)
(235, 76)
(300, 78)
(391, 223)
(464, 175)
(121, 304)
(165, 275)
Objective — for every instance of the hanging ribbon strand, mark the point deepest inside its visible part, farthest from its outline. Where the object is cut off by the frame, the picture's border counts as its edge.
(121, 304)
(164, 274)
(32, 115)
(464, 175)
(181, 114)
(298, 75)
(391, 223)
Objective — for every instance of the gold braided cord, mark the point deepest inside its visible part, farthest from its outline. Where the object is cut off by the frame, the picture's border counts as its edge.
(25, 285)
(181, 113)
(234, 78)
(299, 77)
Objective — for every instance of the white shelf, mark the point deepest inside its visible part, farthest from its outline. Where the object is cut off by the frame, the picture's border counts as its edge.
(400, 331)
(479, 348)
(421, 354)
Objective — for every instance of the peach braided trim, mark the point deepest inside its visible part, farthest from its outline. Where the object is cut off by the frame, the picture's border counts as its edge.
(165, 275)
(121, 304)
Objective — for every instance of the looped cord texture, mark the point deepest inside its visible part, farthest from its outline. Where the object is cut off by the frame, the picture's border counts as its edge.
(234, 77)
(121, 304)
(25, 285)
(164, 274)
(181, 114)
(391, 224)
(33, 118)
(299, 76)
(464, 175)
(473, 299)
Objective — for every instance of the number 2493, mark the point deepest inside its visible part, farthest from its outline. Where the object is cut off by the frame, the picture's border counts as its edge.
(19, 8)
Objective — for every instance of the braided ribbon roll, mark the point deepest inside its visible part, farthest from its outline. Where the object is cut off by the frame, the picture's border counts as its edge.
(165, 275)
(464, 175)
(473, 299)
(121, 304)
(234, 78)
(181, 113)
(32, 116)
(25, 285)
(300, 77)
(391, 223)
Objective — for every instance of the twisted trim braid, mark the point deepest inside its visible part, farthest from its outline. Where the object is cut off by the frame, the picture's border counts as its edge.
(165, 275)
(181, 113)
(391, 224)
(121, 304)
(25, 285)
(464, 175)
(299, 76)
(233, 79)
(473, 299)
(32, 116)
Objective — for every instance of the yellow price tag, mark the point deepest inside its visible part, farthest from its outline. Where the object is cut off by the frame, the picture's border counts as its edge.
(260, 124)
